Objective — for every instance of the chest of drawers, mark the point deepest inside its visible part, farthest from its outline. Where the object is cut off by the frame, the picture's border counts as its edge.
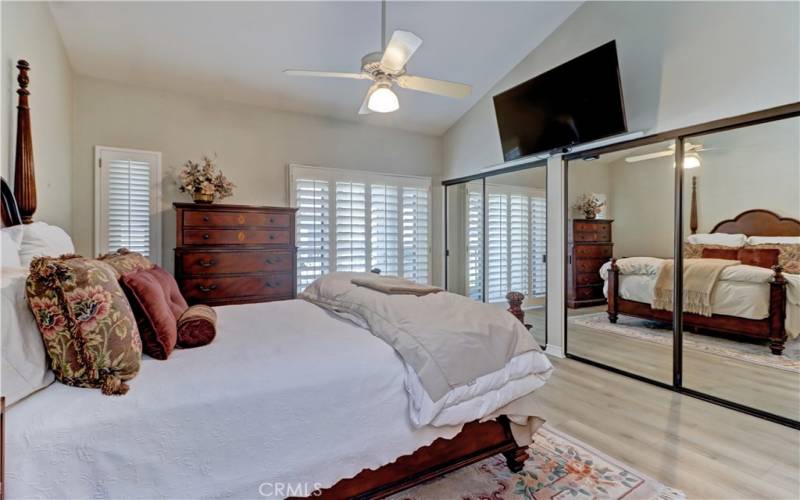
(589, 247)
(235, 254)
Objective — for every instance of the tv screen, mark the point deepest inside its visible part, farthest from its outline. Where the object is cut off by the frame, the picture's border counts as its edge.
(577, 102)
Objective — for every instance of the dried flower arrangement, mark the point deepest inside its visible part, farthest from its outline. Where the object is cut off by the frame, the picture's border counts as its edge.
(589, 204)
(202, 182)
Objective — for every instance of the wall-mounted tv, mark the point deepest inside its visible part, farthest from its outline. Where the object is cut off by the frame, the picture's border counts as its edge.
(577, 102)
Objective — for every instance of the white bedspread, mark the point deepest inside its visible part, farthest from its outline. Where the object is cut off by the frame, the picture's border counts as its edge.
(742, 291)
(285, 394)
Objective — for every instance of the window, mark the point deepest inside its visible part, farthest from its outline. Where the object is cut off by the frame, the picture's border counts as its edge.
(127, 201)
(516, 241)
(371, 221)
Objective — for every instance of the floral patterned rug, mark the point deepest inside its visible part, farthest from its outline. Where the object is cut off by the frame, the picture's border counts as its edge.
(651, 331)
(560, 467)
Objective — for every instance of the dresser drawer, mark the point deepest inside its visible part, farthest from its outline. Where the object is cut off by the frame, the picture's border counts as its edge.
(601, 235)
(201, 218)
(196, 290)
(588, 265)
(599, 251)
(235, 237)
(589, 279)
(211, 263)
(588, 292)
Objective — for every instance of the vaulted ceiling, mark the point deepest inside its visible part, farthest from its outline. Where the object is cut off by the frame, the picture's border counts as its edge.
(237, 50)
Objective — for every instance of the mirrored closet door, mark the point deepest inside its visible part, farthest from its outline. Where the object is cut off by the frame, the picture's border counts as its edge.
(496, 232)
(621, 207)
(742, 218)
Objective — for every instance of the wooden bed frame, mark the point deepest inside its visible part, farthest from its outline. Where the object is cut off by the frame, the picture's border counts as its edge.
(756, 222)
(475, 442)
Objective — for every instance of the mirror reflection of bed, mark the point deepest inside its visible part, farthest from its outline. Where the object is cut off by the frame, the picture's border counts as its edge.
(742, 218)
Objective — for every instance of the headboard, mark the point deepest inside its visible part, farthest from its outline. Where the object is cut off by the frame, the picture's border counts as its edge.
(759, 222)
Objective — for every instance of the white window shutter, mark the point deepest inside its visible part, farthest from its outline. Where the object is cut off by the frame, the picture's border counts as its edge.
(497, 247)
(312, 200)
(384, 231)
(415, 234)
(128, 202)
(519, 244)
(475, 245)
(539, 245)
(351, 214)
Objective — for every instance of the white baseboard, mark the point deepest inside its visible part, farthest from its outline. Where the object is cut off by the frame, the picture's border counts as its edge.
(555, 350)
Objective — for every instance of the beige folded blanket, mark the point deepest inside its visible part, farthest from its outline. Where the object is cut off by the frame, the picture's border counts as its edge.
(699, 278)
(393, 285)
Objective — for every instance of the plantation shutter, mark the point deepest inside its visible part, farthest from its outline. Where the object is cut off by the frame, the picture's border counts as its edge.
(497, 247)
(475, 245)
(127, 203)
(351, 226)
(313, 235)
(519, 244)
(384, 217)
(415, 234)
(539, 245)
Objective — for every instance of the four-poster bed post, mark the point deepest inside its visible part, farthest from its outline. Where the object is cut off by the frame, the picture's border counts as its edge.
(24, 178)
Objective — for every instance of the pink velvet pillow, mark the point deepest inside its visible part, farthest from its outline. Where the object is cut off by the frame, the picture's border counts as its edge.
(157, 304)
(197, 326)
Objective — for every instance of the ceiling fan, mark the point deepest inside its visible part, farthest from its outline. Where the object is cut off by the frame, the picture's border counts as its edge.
(691, 159)
(387, 68)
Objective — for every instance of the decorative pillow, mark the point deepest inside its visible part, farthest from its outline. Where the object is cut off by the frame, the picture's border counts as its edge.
(789, 258)
(24, 362)
(695, 251)
(773, 240)
(722, 239)
(85, 321)
(43, 240)
(124, 261)
(11, 241)
(157, 304)
(759, 257)
(720, 253)
(197, 326)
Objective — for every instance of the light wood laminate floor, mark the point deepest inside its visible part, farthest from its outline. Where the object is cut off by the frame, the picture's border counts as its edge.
(706, 450)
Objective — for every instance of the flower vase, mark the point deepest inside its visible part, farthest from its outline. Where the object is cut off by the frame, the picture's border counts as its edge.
(203, 198)
(590, 215)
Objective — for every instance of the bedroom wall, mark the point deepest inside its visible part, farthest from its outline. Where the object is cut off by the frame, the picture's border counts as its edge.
(29, 32)
(254, 146)
(681, 62)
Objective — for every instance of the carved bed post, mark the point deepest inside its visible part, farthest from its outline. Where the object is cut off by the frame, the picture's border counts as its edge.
(515, 307)
(613, 291)
(24, 178)
(777, 312)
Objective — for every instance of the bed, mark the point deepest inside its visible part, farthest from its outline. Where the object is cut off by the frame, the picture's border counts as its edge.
(756, 300)
(304, 404)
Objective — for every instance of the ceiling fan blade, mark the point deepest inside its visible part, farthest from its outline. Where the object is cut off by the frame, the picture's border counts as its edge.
(326, 74)
(401, 47)
(364, 110)
(649, 156)
(431, 86)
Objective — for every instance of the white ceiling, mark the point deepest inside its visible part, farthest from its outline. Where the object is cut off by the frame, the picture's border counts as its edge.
(237, 51)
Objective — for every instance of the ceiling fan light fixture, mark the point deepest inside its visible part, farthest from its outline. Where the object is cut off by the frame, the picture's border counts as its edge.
(689, 161)
(383, 100)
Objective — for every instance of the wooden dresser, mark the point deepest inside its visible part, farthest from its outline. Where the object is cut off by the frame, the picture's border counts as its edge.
(589, 247)
(234, 254)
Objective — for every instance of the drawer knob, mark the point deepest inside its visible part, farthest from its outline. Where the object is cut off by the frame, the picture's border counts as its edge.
(271, 220)
(205, 218)
(206, 289)
(207, 263)
(206, 236)
(272, 236)
(272, 260)
(273, 284)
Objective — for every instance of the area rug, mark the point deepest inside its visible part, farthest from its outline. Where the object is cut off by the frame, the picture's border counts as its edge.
(559, 467)
(651, 331)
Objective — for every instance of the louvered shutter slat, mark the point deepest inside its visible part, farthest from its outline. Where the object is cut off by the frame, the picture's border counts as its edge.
(127, 217)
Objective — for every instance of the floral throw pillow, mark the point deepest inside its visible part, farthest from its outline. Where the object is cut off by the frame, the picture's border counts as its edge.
(124, 261)
(85, 321)
(789, 257)
(695, 250)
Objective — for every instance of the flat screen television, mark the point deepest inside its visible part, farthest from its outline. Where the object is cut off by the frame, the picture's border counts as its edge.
(577, 102)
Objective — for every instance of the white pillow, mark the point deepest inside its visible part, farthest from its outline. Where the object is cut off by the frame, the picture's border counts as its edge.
(11, 240)
(24, 362)
(43, 240)
(773, 240)
(722, 239)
